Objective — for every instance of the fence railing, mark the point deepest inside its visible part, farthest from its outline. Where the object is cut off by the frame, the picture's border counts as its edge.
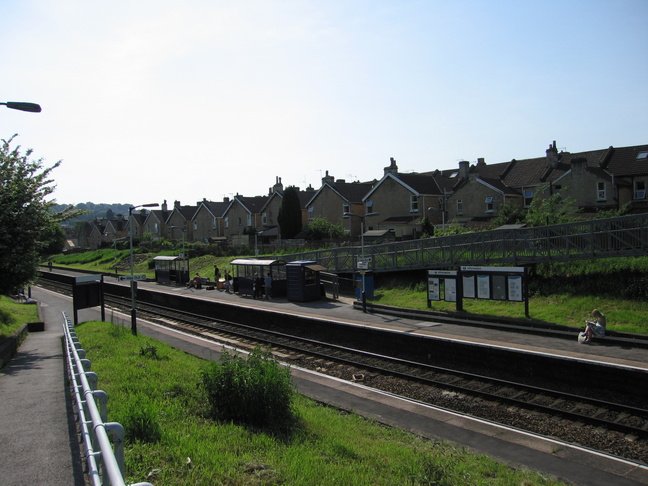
(105, 465)
(601, 238)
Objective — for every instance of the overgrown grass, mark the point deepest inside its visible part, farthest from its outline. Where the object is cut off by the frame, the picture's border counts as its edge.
(162, 390)
(13, 315)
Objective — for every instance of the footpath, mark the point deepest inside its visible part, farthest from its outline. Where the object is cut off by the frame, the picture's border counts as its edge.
(38, 439)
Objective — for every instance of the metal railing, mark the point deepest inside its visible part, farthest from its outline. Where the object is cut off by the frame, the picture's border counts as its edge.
(105, 465)
(583, 240)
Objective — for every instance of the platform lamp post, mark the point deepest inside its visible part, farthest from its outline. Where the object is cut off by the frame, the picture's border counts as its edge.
(133, 285)
(22, 106)
(362, 250)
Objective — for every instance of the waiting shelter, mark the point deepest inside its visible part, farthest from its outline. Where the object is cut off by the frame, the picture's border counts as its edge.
(248, 270)
(303, 281)
(170, 269)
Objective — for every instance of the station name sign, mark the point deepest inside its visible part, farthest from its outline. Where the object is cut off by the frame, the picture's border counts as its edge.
(128, 278)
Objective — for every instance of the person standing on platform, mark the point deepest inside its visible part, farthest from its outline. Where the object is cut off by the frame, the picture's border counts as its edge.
(268, 285)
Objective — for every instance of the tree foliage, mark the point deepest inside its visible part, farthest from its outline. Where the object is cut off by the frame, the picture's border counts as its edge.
(289, 217)
(321, 229)
(25, 215)
(555, 209)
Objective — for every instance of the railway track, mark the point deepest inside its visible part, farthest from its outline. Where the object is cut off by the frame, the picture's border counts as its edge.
(614, 427)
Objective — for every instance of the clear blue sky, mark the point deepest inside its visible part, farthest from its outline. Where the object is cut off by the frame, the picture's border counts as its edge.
(146, 100)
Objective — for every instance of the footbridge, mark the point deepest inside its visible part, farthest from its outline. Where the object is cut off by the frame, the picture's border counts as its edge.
(625, 236)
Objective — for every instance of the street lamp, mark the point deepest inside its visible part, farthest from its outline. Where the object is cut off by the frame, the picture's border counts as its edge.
(443, 211)
(133, 285)
(22, 106)
(362, 220)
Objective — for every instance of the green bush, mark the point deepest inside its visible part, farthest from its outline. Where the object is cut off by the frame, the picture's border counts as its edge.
(256, 392)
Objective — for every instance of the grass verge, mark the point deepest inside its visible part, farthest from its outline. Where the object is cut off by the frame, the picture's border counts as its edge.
(151, 383)
(569, 310)
(13, 315)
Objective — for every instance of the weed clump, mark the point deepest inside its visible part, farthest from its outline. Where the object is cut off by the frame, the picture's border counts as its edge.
(256, 392)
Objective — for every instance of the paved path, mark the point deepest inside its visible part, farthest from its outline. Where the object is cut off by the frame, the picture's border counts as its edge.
(38, 442)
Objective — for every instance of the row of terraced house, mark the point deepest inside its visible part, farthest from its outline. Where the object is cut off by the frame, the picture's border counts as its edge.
(395, 206)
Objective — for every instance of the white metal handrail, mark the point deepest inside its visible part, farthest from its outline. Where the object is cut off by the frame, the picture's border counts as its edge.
(105, 465)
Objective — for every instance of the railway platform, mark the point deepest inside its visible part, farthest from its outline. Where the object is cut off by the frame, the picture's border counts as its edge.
(342, 310)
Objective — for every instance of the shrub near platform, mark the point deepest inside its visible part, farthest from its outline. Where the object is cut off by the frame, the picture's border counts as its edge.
(256, 391)
(328, 446)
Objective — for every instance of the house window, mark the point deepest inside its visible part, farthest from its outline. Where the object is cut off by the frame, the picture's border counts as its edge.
(264, 218)
(600, 191)
(239, 220)
(528, 197)
(249, 220)
(459, 206)
(370, 207)
(226, 221)
(413, 204)
(640, 190)
(195, 225)
(311, 213)
(345, 208)
(156, 229)
(214, 222)
(489, 204)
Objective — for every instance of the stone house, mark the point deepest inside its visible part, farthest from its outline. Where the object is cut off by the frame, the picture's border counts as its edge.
(399, 202)
(208, 220)
(180, 222)
(335, 198)
(242, 216)
(155, 222)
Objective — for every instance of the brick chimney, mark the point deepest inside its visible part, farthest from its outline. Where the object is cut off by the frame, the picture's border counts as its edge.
(328, 179)
(464, 168)
(392, 168)
(552, 156)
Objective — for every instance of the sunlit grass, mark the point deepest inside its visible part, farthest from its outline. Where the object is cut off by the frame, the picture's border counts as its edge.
(13, 315)
(328, 446)
(622, 315)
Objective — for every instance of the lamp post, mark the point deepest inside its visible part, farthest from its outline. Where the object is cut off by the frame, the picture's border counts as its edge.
(133, 285)
(362, 248)
(22, 106)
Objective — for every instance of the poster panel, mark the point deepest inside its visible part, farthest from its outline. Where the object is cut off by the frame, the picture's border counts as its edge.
(483, 287)
(515, 288)
(450, 290)
(469, 286)
(433, 289)
(499, 287)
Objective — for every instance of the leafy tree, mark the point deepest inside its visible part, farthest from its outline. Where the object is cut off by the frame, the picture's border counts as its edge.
(53, 239)
(427, 228)
(25, 214)
(508, 213)
(555, 209)
(321, 229)
(289, 217)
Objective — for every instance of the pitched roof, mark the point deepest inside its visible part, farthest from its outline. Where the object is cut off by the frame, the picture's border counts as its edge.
(252, 204)
(626, 161)
(216, 208)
